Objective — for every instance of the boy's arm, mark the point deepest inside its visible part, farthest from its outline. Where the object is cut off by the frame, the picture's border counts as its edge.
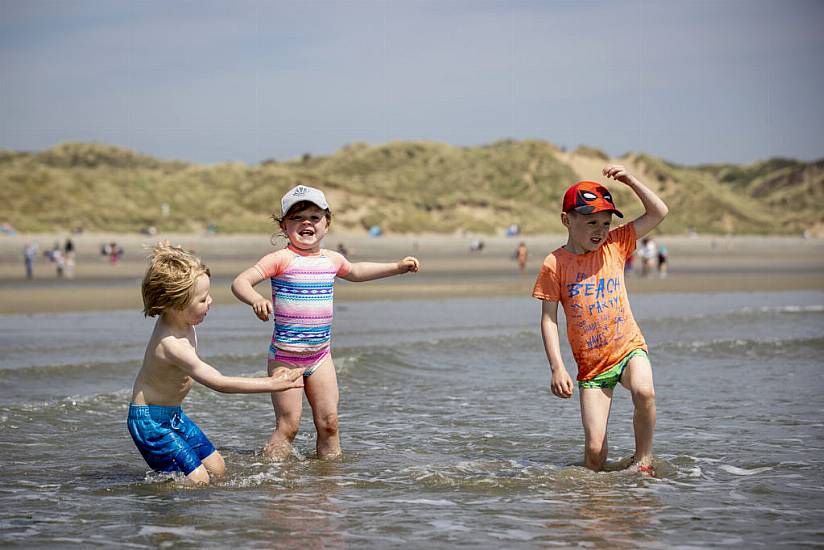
(369, 271)
(561, 384)
(243, 289)
(655, 209)
(184, 357)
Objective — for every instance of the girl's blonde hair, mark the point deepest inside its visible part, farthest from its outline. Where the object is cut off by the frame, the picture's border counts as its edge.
(170, 279)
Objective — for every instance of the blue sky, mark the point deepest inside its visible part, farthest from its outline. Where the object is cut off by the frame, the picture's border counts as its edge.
(691, 81)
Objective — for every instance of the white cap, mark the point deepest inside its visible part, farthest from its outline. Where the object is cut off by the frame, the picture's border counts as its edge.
(302, 193)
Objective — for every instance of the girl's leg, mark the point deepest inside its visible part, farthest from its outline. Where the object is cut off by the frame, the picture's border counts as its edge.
(322, 392)
(288, 405)
(637, 378)
(595, 406)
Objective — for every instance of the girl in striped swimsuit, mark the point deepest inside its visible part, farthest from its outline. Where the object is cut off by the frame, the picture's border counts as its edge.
(302, 277)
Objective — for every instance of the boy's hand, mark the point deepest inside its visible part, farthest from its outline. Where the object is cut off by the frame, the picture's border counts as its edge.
(409, 264)
(285, 378)
(617, 172)
(262, 308)
(561, 383)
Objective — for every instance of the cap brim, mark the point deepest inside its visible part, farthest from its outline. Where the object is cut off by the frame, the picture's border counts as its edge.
(284, 208)
(589, 209)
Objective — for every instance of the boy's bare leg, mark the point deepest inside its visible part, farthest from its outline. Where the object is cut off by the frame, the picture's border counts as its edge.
(595, 405)
(198, 476)
(288, 406)
(211, 466)
(322, 392)
(637, 378)
(215, 465)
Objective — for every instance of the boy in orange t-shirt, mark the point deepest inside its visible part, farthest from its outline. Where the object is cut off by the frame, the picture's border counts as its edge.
(586, 276)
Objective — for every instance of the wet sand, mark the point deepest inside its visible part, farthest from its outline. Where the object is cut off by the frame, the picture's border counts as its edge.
(449, 269)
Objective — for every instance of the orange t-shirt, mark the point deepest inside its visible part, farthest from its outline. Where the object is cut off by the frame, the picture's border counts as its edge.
(600, 325)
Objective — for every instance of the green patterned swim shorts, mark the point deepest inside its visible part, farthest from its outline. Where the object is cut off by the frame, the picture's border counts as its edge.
(610, 377)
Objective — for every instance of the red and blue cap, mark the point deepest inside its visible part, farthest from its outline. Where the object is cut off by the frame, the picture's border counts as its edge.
(589, 197)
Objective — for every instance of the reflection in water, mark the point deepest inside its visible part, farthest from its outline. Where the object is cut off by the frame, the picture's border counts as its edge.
(310, 517)
(614, 509)
(618, 518)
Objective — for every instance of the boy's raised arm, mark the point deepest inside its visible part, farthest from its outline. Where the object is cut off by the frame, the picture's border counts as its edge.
(187, 360)
(369, 271)
(655, 209)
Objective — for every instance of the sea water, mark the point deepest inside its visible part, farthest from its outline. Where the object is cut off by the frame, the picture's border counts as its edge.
(450, 434)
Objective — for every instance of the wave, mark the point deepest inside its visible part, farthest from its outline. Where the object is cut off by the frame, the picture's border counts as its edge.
(792, 347)
(789, 310)
(759, 313)
(62, 371)
(86, 404)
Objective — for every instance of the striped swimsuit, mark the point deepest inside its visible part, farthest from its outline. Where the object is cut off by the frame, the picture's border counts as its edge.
(302, 292)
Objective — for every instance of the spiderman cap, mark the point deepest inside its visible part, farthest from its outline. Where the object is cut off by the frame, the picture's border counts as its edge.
(589, 197)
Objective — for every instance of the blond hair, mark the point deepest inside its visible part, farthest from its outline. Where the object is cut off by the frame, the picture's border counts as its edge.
(170, 279)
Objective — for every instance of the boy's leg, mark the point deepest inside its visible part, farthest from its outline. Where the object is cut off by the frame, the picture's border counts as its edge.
(200, 447)
(215, 465)
(198, 476)
(322, 392)
(595, 405)
(637, 378)
(288, 405)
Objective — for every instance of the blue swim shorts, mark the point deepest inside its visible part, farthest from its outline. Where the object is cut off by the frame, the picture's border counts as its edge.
(168, 440)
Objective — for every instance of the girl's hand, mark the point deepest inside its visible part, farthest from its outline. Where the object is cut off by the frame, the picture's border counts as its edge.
(262, 308)
(617, 172)
(409, 263)
(285, 378)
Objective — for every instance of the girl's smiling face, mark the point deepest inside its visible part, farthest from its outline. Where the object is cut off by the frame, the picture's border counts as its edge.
(587, 232)
(306, 228)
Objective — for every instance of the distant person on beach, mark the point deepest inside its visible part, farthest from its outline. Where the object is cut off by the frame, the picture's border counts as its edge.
(629, 263)
(663, 257)
(69, 253)
(30, 250)
(55, 256)
(176, 288)
(649, 255)
(586, 276)
(302, 277)
(115, 252)
(521, 255)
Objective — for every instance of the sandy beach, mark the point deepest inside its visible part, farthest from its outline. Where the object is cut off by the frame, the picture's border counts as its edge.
(449, 269)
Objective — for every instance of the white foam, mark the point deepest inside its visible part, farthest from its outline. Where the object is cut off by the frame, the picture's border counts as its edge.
(734, 470)
(425, 501)
(186, 531)
(812, 308)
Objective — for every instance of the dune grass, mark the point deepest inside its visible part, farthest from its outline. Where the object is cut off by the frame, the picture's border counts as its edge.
(403, 187)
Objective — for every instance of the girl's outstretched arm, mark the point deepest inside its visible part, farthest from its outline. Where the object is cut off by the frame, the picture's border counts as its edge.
(369, 271)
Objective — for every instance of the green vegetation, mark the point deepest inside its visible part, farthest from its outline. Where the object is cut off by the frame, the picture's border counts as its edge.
(402, 186)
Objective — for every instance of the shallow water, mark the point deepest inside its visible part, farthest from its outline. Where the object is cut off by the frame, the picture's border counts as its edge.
(450, 434)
